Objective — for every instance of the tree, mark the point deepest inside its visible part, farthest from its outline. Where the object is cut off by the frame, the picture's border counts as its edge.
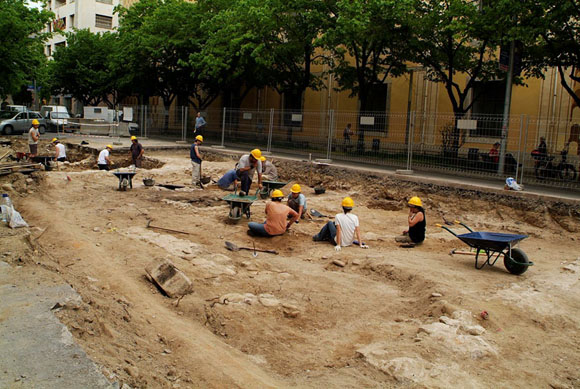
(453, 37)
(553, 39)
(22, 45)
(84, 67)
(368, 42)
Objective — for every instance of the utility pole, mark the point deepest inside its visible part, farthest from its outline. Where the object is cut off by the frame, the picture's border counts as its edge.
(506, 110)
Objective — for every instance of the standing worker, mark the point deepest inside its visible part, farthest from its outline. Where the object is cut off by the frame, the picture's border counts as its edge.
(104, 159)
(33, 136)
(297, 201)
(416, 233)
(136, 152)
(199, 123)
(246, 166)
(342, 231)
(196, 161)
(60, 151)
(276, 217)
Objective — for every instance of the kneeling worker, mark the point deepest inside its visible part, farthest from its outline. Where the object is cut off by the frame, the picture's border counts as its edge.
(60, 151)
(417, 222)
(297, 201)
(247, 165)
(229, 178)
(341, 232)
(104, 160)
(276, 217)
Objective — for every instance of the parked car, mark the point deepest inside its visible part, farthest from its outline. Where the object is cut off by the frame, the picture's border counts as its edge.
(58, 121)
(12, 122)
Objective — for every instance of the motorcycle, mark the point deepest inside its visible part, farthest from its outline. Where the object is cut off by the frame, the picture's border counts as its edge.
(545, 167)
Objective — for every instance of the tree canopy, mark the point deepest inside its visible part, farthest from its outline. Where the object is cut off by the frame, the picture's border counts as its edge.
(22, 48)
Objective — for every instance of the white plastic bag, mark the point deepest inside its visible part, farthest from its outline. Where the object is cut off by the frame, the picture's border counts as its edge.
(15, 220)
(512, 184)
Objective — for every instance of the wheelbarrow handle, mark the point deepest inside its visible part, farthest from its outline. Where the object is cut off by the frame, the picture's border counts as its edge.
(461, 224)
(445, 228)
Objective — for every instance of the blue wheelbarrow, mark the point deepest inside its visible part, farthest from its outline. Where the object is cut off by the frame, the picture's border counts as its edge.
(491, 245)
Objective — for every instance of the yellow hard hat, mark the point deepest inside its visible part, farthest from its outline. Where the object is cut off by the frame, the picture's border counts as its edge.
(133, 137)
(296, 188)
(35, 122)
(199, 138)
(347, 202)
(109, 147)
(54, 140)
(277, 194)
(257, 153)
(415, 201)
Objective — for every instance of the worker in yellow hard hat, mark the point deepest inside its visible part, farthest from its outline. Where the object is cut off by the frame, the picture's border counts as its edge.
(33, 137)
(342, 231)
(297, 201)
(276, 217)
(248, 164)
(269, 171)
(195, 156)
(104, 159)
(415, 234)
(60, 150)
(136, 151)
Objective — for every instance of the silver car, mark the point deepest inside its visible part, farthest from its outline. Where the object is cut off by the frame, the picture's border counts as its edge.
(20, 122)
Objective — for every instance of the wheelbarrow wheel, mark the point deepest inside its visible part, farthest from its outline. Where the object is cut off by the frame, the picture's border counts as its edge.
(518, 263)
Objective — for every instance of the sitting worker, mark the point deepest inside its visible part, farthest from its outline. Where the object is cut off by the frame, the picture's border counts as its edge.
(247, 165)
(297, 201)
(136, 152)
(276, 217)
(229, 181)
(270, 173)
(342, 231)
(196, 161)
(60, 151)
(417, 222)
(104, 159)
(494, 153)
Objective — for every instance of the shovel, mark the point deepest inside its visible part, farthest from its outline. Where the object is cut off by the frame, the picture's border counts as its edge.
(232, 247)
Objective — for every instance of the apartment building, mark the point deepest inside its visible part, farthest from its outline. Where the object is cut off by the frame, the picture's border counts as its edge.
(96, 15)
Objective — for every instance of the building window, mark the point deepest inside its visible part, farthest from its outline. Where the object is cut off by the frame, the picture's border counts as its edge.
(59, 24)
(488, 108)
(375, 118)
(60, 44)
(72, 21)
(105, 1)
(48, 51)
(103, 21)
(59, 3)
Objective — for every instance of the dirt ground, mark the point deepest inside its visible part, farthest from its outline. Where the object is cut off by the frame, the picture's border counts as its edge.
(391, 317)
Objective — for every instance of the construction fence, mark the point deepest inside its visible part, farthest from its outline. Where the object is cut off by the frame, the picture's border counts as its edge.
(473, 145)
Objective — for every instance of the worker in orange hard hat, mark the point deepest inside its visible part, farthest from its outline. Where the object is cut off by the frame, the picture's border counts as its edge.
(248, 164)
(417, 223)
(136, 152)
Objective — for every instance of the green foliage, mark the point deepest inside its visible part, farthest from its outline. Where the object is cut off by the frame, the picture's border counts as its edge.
(368, 42)
(21, 51)
(85, 67)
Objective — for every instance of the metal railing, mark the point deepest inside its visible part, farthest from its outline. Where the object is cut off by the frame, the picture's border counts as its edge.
(412, 141)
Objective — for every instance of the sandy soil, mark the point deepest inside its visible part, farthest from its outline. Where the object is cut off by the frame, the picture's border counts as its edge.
(391, 317)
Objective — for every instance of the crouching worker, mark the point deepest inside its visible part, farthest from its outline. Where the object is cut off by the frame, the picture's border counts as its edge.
(59, 150)
(104, 159)
(276, 217)
(247, 165)
(416, 233)
(297, 201)
(228, 179)
(341, 232)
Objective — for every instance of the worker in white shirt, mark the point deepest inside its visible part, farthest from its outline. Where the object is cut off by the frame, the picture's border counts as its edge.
(343, 230)
(104, 159)
(60, 151)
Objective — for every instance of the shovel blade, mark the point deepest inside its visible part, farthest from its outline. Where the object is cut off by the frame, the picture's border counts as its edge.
(232, 247)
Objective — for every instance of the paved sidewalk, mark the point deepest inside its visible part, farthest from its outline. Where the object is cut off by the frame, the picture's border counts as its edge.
(37, 350)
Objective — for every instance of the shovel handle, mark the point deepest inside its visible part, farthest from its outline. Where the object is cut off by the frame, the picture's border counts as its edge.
(259, 250)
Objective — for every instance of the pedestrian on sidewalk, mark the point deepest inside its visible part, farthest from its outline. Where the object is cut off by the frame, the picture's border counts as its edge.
(199, 124)
(196, 161)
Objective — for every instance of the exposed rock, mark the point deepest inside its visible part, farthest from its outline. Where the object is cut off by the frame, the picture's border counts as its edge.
(169, 278)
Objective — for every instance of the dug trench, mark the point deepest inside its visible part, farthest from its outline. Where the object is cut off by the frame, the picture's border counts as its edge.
(386, 317)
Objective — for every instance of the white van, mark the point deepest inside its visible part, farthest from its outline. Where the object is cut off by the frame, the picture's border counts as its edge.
(46, 109)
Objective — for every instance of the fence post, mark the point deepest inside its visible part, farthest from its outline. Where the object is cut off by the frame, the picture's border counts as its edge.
(525, 153)
(185, 117)
(330, 133)
(223, 127)
(520, 146)
(270, 130)
(146, 121)
(410, 139)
